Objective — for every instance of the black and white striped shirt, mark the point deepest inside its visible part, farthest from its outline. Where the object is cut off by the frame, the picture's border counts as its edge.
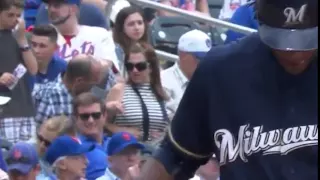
(133, 115)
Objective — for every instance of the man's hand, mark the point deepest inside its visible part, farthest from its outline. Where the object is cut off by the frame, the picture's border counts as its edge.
(7, 79)
(20, 33)
(134, 172)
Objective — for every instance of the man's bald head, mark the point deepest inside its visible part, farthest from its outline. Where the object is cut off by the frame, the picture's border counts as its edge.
(79, 67)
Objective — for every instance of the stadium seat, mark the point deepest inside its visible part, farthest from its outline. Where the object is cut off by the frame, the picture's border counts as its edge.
(165, 32)
(214, 7)
(214, 33)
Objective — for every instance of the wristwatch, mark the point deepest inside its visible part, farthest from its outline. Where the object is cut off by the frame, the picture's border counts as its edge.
(25, 48)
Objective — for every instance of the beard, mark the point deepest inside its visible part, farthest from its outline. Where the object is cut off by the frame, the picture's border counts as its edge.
(60, 20)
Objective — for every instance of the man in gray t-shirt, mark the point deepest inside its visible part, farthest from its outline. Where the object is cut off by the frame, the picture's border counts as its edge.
(14, 50)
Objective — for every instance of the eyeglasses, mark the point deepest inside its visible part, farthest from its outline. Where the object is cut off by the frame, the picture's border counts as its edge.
(141, 66)
(86, 116)
(42, 139)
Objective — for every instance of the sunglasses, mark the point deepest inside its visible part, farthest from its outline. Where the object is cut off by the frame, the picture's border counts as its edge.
(141, 66)
(42, 139)
(86, 116)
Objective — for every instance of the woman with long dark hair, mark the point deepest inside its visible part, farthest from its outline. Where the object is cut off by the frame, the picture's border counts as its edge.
(130, 27)
(139, 106)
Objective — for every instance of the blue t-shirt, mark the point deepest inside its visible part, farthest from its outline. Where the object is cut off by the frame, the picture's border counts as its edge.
(260, 121)
(97, 158)
(90, 15)
(243, 16)
(55, 67)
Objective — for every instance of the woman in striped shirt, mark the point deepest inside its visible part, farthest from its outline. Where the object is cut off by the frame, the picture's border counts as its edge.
(138, 107)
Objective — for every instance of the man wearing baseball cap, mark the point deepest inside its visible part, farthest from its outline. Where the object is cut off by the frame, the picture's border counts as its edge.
(192, 48)
(66, 155)
(253, 103)
(22, 162)
(77, 39)
(123, 150)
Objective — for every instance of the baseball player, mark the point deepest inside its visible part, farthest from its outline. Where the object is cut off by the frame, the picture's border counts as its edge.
(77, 39)
(253, 103)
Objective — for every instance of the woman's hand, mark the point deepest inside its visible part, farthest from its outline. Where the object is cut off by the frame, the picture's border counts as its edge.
(115, 107)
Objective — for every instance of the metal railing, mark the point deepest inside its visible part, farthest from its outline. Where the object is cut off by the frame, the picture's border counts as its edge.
(195, 16)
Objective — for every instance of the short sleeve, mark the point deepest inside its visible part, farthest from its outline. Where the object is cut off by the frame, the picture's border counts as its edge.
(106, 50)
(190, 132)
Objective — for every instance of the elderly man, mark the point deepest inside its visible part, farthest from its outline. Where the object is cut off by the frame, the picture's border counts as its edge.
(123, 151)
(193, 46)
(66, 155)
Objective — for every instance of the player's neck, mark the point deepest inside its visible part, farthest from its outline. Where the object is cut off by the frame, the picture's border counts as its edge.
(69, 29)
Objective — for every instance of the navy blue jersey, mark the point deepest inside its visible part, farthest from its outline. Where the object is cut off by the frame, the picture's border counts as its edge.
(260, 121)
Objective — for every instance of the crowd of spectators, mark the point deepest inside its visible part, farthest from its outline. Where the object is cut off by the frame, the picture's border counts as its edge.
(83, 96)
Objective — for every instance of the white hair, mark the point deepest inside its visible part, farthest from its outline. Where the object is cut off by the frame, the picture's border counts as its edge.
(54, 167)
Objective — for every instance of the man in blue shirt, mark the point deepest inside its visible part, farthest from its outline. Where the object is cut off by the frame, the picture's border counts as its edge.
(90, 113)
(123, 153)
(90, 15)
(244, 16)
(44, 45)
(254, 104)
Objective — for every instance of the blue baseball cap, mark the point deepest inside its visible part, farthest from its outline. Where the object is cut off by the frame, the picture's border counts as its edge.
(121, 140)
(77, 2)
(22, 157)
(289, 25)
(66, 146)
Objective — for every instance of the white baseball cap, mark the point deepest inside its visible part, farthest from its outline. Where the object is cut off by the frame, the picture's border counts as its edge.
(195, 42)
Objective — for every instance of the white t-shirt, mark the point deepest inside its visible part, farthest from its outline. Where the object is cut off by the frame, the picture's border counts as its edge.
(229, 7)
(175, 83)
(95, 41)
